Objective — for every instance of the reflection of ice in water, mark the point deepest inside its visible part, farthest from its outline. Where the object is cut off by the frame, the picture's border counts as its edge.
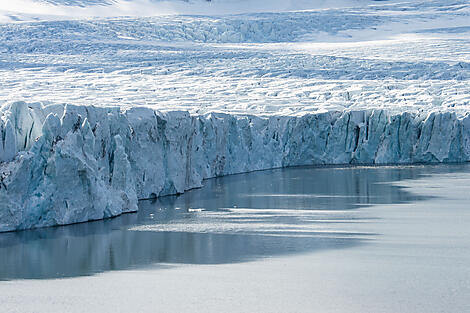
(231, 219)
(295, 202)
(274, 222)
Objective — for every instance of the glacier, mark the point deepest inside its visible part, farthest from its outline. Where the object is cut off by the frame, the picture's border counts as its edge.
(65, 164)
(105, 103)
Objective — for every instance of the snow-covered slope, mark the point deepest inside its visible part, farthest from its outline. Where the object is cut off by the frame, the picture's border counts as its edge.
(412, 56)
(28, 10)
(98, 113)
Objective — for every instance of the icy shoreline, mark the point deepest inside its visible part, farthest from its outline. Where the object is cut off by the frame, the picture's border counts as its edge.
(69, 164)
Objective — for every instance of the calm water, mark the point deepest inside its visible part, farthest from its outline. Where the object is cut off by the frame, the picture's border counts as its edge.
(232, 219)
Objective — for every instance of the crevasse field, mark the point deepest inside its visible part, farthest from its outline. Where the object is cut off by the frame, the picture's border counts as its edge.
(104, 103)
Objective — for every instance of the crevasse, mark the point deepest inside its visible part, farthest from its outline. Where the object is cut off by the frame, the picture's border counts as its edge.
(65, 164)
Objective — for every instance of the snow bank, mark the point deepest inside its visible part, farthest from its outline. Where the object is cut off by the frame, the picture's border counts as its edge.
(68, 164)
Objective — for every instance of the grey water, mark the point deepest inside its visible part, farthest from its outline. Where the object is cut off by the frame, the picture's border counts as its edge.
(232, 219)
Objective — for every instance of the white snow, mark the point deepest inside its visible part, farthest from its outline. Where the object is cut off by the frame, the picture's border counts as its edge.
(99, 112)
(33, 10)
(392, 56)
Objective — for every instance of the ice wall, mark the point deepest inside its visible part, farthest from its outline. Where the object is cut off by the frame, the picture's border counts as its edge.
(68, 164)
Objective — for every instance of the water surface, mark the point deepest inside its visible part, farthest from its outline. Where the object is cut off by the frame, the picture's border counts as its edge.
(231, 219)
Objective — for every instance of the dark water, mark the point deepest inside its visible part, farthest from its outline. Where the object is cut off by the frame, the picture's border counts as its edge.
(231, 219)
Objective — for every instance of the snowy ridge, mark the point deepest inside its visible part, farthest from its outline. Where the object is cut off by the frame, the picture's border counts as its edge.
(68, 164)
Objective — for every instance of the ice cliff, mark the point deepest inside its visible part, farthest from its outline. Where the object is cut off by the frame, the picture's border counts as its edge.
(63, 164)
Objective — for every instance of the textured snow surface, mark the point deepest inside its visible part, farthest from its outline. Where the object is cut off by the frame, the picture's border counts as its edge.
(407, 56)
(27, 10)
(97, 113)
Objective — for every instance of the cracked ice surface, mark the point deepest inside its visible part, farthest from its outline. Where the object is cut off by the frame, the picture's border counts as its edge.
(97, 113)
(397, 57)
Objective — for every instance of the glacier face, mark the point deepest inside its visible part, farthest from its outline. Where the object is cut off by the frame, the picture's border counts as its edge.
(363, 83)
(64, 164)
